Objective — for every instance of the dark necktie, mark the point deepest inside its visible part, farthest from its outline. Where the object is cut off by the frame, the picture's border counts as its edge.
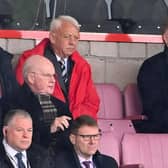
(63, 70)
(86, 164)
(20, 161)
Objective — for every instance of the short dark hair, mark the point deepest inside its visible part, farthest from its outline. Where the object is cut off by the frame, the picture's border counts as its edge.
(83, 120)
(12, 113)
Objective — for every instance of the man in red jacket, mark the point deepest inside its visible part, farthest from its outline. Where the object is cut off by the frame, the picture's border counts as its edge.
(74, 83)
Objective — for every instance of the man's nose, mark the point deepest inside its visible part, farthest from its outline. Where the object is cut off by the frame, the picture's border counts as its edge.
(26, 134)
(72, 40)
(53, 78)
(91, 140)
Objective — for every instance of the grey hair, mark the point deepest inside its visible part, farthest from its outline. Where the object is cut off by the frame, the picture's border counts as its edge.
(57, 22)
(15, 112)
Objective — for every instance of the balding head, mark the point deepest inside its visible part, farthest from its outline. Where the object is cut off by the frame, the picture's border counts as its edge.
(35, 63)
(39, 73)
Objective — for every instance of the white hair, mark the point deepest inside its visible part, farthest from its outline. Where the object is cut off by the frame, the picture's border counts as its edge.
(31, 64)
(57, 22)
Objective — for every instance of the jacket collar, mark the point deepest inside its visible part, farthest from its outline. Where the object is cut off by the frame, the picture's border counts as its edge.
(4, 158)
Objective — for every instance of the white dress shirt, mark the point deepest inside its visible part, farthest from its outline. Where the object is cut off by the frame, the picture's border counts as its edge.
(65, 62)
(81, 160)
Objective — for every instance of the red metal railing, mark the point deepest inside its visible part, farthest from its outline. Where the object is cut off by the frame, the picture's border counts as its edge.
(106, 37)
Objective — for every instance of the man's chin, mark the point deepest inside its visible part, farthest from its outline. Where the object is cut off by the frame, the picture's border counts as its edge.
(24, 147)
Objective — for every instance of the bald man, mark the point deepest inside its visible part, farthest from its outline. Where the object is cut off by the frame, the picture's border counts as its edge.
(51, 117)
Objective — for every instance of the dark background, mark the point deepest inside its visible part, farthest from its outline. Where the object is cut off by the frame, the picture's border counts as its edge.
(127, 16)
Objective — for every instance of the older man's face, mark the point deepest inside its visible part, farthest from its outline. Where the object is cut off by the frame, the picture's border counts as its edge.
(44, 79)
(64, 40)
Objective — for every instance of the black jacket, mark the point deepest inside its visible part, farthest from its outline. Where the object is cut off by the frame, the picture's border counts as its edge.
(7, 76)
(37, 158)
(153, 86)
(25, 99)
(69, 159)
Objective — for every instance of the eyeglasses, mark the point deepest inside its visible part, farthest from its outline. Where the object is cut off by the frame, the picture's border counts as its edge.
(95, 137)
(47, 75)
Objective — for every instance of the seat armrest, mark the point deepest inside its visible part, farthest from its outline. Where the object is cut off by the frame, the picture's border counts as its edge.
(136, 117)
(132, 166)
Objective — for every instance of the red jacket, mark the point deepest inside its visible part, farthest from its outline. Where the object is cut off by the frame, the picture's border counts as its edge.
(82, 96)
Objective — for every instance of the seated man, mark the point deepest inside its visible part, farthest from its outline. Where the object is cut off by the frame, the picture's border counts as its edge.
(85, 138)
(51, 117)
(75, 85)
(16, 150)
(153, 87)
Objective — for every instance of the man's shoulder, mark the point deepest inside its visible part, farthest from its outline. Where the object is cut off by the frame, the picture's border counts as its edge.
(106, 157)
(65, 159)
(76, 57)
(40, 157)
(105, 160)
(36, 151)
(155, 61)
(5, 57)
(155, 58)
(23, 94)
(38, 49)
(65, 154)
(4, 160)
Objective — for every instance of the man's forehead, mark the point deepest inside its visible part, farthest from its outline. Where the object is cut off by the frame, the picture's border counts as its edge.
(88, 128)
(17, 119)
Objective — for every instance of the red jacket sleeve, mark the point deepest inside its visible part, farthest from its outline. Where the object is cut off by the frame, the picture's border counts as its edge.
(82, 93)
(19, 68)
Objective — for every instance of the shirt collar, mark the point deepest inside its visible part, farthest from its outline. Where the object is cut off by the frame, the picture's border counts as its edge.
(59, 58)
(82, 159)
(11, 151)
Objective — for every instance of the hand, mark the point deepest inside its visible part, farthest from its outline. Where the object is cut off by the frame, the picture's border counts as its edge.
(60, 123)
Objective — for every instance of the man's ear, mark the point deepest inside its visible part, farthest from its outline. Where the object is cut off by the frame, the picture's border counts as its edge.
(72, 138)
(30, 78)
(4, 130)
(52, 37)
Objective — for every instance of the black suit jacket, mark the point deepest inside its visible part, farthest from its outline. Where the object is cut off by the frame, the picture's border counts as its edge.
(37, 158)
(69, 159)
(25, 99)
(153, 86)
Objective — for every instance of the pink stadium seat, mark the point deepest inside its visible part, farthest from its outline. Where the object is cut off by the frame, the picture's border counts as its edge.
(112, 134)
(117, 127)
(111, 105)
(132, 102)
(149, 150)
(109, 145)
